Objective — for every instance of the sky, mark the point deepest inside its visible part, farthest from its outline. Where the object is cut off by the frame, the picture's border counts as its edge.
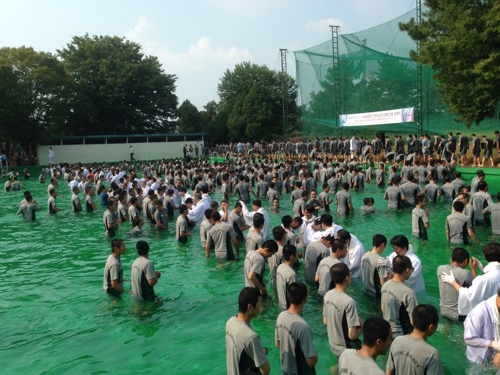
(197, 40)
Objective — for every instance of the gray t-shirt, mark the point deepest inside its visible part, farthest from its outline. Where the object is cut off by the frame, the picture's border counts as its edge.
(341, 314)
(142, 271)
(398, 302)
(371, 272)
(298, 207)
(449, 296)
(162, 216)
(494, 210)
(323, 272)
(352, 363)
(220, 236)
(108, 218)
(254, 261)
(418, 220)
(315, 252)
(409, 355)
(243, 348)
(113, 270)
(273, 262)
(343, 201)
(181, 226)
(75, 201)
(458, 224)
(236, 221)
(254, 241)
(205, 227)
(296, 343)
(410, 190)
(243, 189)
(28, 210)
(393, 195)
(285, 275)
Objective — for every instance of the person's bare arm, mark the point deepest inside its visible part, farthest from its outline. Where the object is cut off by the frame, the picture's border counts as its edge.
(116, 285)
(311, 361)
(252, 276)
(265, 369)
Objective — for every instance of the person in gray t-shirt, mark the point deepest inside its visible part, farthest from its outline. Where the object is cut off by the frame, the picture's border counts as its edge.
(293, 335)
(494, 210)
(221, 235)
(377, 339)
(343, 199)
(394, 194)
(323, 275)
(285, 275)
(411, 354)
(398, 300)
(254, 265)
(315, 252)
(420, 219)
(340, 314)
(448, 303)
(374, 267)
(244, 351)
(459, 226)
(144, 277)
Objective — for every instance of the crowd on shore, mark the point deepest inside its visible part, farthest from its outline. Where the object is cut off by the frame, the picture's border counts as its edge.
(315, 180)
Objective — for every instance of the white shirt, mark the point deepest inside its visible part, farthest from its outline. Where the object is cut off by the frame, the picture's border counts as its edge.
(482, 288)
(416, 280)
(266, 230)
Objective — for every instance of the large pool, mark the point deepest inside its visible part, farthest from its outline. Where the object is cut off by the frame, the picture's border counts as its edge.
(56, 319)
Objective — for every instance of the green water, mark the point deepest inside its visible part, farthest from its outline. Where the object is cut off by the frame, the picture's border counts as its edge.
(57, 320)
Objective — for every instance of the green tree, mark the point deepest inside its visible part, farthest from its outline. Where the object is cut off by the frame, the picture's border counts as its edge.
(33, 88)
(189, 120)
(214, 123)
(117, 89)
(460, 40)
(251, 98)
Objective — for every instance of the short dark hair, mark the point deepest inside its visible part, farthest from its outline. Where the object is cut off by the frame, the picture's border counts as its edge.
(271, 246)
(286, 220)
(208, 213)
(460, 255)
(142, 247)
(344, 235)
(400, 263)
(327, 219)
(258, 220)
(423, 316)
(257, 203)
(278, 233)
(491, 252)
(215, 216)
(400, 241)
(338, 244)
(288, 251)
(116, 243)
(378, 240)
(339, 272)
(458, 206)
(482, 185)
(248, 295)
(182, 208)
(296, 292)
(375, 328)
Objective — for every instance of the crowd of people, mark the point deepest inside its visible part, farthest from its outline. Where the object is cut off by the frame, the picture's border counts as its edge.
(179, 191)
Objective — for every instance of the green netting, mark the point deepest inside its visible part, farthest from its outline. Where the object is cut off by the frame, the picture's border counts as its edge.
(376, 74)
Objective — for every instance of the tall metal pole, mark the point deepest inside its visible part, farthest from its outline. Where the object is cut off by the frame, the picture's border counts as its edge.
(336, 76)
(420, 97)
(284, 92)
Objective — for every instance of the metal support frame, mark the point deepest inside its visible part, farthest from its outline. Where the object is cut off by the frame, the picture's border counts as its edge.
(336, 77)
(284, 92)
(420, 101)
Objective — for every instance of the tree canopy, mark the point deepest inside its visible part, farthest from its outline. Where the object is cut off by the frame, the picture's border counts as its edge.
(251, 100)
(460, 39)
(33, 94)
(116, 88)
(189, 118)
